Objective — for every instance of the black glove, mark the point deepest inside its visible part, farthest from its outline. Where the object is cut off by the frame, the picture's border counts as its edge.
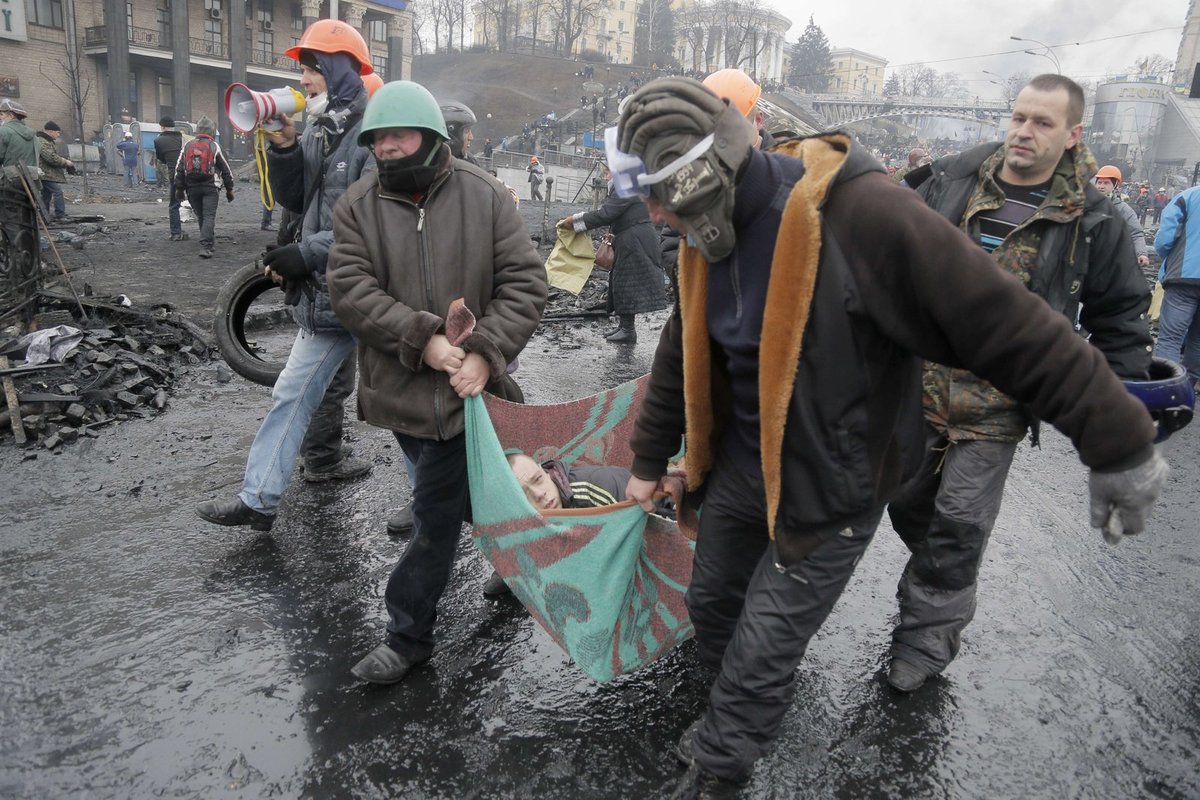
(229, 195)
(287, 262)
(293, 290)
(180, 194)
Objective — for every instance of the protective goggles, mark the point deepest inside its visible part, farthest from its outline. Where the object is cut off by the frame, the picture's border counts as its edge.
(629, 175)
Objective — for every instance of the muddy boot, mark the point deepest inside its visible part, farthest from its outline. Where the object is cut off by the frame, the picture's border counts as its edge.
(700, 784)
(234, 513)
(684, 749)
(338, 471)
(384, 665)
(906, 677)
(625, 332)
(401, 523)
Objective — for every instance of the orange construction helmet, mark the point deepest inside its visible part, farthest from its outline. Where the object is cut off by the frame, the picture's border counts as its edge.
(735, 86)
(1110, 172)
(372, 82)
(334, 36)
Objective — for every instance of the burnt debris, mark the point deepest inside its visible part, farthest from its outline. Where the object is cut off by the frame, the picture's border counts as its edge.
(124, 367)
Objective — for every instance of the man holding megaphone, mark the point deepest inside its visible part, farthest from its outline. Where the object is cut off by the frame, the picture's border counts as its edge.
(307, 176)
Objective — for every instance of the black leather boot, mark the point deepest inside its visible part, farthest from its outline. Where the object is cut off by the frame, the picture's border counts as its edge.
(625, 332)
(234, 512)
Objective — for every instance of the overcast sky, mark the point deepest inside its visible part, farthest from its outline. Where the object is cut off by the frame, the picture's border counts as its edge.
(933, 30)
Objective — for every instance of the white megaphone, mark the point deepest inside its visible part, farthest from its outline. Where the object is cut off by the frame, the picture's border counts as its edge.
(248, 109)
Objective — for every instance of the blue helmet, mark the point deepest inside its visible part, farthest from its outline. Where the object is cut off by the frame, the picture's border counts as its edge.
(1167, 394)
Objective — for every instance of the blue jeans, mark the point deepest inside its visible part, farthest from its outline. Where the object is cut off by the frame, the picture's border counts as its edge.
(439, 507)
(311, 366)
(1179, 327)
(52, 198)
(130, 174)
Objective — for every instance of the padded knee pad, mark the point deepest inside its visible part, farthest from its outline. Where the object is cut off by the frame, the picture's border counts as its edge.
(951, 553)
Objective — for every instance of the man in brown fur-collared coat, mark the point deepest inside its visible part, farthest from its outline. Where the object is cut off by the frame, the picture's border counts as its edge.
(810, 288)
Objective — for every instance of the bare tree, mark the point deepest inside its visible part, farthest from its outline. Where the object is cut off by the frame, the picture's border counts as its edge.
(654, 37)
(571, 19)
(696, 23)
(743, 23)
(450, 16)
(1154, 66)
(419, 30)
(499, 20)
(536, 11)
(73, 83)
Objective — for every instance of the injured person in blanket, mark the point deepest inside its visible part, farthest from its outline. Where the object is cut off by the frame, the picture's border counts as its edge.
(552, 485)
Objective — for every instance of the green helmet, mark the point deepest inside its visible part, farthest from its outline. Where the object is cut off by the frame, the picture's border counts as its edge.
(401, 104)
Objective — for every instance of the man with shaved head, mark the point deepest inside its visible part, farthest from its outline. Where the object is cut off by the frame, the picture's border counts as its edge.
(1030, 204)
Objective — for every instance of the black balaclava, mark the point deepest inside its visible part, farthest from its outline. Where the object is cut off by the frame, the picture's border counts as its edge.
(414, 173)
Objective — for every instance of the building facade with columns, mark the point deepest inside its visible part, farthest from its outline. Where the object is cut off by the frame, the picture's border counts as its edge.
(716, 34)
(855, 72)
(177, 56)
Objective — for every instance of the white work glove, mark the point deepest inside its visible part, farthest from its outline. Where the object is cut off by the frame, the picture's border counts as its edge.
(1122, 500)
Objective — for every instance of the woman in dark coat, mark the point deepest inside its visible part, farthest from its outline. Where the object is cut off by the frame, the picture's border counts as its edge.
(635, 284)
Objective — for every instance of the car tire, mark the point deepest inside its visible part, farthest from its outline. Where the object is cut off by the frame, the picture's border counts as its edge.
(236, 297)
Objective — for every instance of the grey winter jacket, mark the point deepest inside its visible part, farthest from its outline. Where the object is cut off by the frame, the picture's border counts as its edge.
(293, 172)
(1134, 225)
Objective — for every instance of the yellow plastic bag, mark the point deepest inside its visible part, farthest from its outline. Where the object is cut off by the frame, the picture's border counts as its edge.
(1156, 298)
(570, 262)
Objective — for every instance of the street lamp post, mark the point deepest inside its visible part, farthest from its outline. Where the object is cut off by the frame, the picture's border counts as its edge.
(1048, 54)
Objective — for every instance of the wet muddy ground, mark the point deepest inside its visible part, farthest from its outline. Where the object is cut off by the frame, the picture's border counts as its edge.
(145, 653)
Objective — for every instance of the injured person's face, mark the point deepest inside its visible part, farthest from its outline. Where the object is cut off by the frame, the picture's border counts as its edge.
(537, 484)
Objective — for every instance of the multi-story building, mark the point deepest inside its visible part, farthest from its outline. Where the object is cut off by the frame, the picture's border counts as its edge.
(855, 72)
(143, 59)
(607, 28)
(709, 35)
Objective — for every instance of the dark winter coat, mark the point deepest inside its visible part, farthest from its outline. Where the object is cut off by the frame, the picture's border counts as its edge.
(395, 267)
(865, 282)
(1075, 249)
(293, 173)
(167, 146)
(636, 282)
(53, 165)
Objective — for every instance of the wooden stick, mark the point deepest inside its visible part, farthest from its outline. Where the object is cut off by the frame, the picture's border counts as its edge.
(14, 408)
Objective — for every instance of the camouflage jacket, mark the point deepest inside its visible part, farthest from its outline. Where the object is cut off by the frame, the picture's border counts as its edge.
(1073, 250)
